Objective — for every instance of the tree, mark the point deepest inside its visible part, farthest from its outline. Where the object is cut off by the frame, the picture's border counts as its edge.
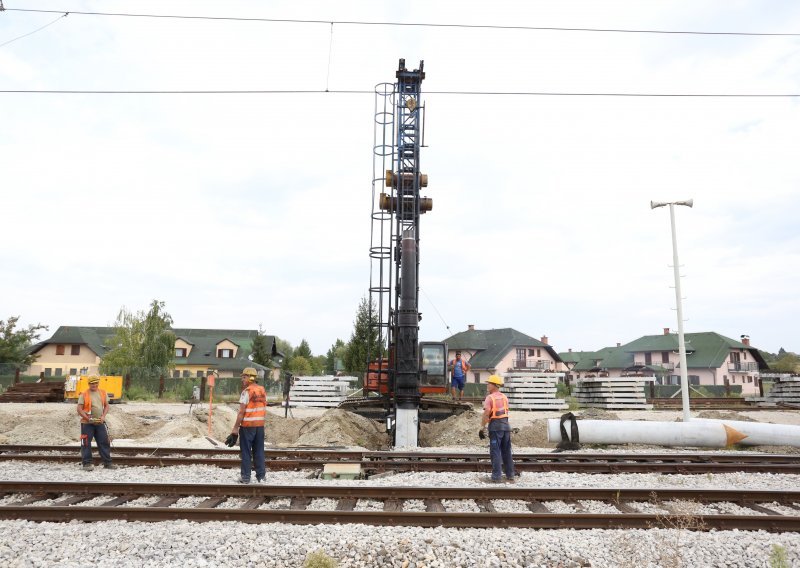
(337, 352)
(262, 352)
(299, 366)
(143, 343)
(365, 340)
(787, 363)
(14, 344)
(303, 350)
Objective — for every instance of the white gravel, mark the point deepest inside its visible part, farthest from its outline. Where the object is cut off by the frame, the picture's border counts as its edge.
(460, 506)
(510, 506)
(369, 505)
(189, 544)
(414, 505)
(322, 504)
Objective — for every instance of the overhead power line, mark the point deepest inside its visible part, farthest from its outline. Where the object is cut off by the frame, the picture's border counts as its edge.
(408, 24)
(371, 92)
(34, 31)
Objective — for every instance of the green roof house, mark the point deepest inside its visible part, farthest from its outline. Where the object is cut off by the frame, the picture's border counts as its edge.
(500, 351)
(75, 350)
(711, 359)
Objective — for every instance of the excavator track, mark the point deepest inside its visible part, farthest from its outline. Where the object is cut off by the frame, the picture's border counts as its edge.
(430, 409)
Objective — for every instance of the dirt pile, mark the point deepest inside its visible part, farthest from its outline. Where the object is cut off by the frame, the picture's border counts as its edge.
(596, 414)
(461, 429)
(339, 427)
(724, 415)
(284, 431)
(532, 435)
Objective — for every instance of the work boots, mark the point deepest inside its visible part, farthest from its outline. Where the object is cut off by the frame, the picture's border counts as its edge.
(88, 467)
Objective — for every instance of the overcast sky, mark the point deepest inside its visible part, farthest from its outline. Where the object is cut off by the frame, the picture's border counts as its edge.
(247, 209)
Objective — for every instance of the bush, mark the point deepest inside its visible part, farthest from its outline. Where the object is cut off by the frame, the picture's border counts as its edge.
(137, 392)
(319, 559)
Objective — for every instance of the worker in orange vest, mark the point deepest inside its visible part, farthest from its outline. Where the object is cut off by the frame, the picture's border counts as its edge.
(92, 408)
(249, 427)
(495, 414)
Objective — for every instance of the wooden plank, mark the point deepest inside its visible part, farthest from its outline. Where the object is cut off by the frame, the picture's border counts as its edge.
(434, 506)
(348, 504)
(211, 502)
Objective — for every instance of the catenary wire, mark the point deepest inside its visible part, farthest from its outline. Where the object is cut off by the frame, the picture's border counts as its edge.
(372, 92)
(408, 24)
(36, 30)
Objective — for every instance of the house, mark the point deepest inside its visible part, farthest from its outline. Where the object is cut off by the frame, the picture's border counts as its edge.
(74, 350)
(490, 351)
(711, 359)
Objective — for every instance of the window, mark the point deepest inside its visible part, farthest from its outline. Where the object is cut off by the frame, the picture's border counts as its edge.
(176, 374)
(664, 357)
(73, 371)
(648, 358)
(186, 374)
(694, 379)
(58, 372)
(225, 353)
(477, 377)
(200, 374)
(48, 372)
(531, 352)
(734, 357)
(75, 350)
(180, 352)
(538, 352)
(59, 349)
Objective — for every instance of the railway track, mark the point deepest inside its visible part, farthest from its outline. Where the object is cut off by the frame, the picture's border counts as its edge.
(377, 462)
(509, 506)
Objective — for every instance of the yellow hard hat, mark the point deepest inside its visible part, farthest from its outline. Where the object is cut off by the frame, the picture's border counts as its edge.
(251, 373)
(495, 380)
(94, 380)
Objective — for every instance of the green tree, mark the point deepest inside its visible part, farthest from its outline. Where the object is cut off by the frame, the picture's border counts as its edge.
(262, 351)
(303, 350)
(14, 343)
(786, 363)
(318, 364)
(365, 341)
(299, 366)
(143, 343)
(337, 351)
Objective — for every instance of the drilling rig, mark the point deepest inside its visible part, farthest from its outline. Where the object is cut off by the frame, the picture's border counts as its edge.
(401, 370)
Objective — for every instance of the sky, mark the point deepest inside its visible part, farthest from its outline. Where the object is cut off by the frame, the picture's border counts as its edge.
(248, 210)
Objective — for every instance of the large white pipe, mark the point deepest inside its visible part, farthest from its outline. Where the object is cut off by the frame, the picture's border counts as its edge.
(702, 433)
(760, 433)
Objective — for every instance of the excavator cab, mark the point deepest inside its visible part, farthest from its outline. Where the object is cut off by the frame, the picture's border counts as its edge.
(432, 367)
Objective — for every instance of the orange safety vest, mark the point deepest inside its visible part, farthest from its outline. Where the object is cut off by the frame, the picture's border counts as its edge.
(87, 402)
(256, 408)
(499, 405)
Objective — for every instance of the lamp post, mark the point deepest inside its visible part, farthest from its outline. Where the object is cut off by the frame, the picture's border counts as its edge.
(678, 300)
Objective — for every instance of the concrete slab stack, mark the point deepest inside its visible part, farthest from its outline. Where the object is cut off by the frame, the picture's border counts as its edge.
(326, 391)
(786, 388)
(529, 390)
(612, 393)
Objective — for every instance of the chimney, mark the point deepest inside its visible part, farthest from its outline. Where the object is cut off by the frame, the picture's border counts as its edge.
(570, 349)
(544, 339)
(471, 327)
(746, 340)
(618, 343)
(666, 331)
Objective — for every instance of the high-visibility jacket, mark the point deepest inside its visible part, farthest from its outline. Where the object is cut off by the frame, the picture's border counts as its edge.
(256, 408)
(499, 403)
(87, 402)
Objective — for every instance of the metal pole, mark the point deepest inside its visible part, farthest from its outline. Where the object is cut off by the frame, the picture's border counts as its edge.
(679, 302)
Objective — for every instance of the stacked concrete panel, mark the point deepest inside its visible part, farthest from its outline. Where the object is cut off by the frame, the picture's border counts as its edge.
(612, 393)
(530, 390)
(327, 391)
(786, 388)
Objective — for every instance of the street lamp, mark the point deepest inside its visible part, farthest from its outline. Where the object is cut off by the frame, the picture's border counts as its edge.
(678, 301)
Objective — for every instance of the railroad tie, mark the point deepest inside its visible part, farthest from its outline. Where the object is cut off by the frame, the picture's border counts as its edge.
(211, 502)
(392, 505)
(166, 501)
(347, 504)
(434, 506)
(537, 506)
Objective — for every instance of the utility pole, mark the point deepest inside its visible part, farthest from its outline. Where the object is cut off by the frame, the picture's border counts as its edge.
(678, 301)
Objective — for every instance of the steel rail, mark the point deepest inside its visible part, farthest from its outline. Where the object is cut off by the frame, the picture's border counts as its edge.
(400, 465)
(393, 514)
(431, 461)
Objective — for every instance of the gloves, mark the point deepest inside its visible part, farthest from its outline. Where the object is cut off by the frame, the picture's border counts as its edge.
(482, 434)
(230, 441)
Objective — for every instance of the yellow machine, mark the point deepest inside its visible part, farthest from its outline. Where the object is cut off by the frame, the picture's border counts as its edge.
(74, 385)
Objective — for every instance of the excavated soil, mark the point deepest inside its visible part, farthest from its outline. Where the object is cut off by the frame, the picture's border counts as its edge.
(339, 427)
(724, 415)
(595, 414)
(462, 430)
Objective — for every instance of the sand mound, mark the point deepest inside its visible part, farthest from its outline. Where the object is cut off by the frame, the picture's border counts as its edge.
(284, 431)
(533, 435)
(724, 415)
(595, 414)
(342, 428)
(461, 429)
